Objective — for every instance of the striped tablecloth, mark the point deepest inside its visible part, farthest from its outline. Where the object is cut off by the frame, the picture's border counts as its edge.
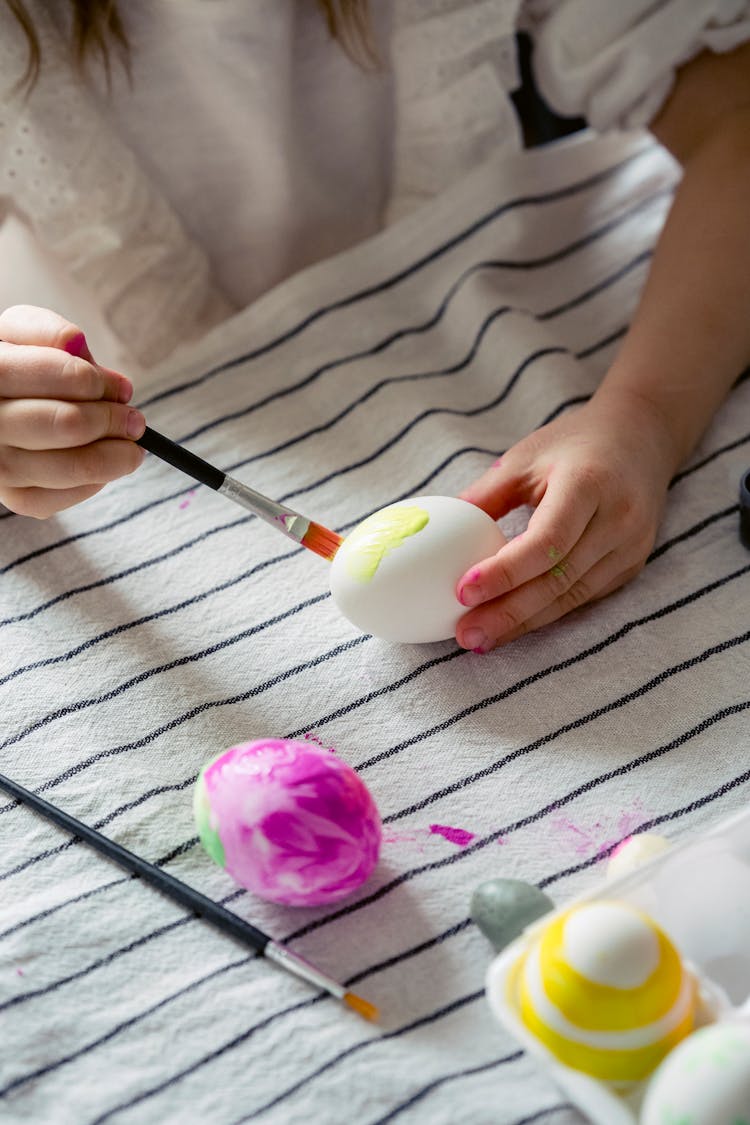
(156, 625)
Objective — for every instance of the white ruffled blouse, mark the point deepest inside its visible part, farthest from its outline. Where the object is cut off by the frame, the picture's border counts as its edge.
(248, 145)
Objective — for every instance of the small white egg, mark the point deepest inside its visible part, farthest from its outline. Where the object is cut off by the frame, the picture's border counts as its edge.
(634, 852)
(395, 574)
(705, 1080)
(609, 944)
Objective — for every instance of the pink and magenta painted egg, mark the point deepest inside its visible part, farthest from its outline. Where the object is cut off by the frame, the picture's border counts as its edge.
(288, 820)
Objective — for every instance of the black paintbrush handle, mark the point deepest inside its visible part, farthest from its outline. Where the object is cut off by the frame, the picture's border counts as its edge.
(223, 919)
(182, 459)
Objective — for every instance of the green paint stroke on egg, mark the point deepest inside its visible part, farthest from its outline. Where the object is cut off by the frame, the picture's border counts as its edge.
(209, 836)
(377, 535)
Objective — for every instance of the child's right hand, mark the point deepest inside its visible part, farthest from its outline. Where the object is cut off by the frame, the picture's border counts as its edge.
(65, 428)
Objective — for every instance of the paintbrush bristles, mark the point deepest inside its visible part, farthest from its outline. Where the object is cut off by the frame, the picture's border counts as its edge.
(362, 1007)
(321, 540)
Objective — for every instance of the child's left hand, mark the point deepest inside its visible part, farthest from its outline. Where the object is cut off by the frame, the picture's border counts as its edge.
(597, 477)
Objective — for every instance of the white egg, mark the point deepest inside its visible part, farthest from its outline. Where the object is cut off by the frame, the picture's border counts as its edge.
(634, 852)
(705, 1080)
(395, 574)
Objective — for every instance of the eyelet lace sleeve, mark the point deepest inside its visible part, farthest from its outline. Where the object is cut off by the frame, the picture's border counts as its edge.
(454, 65)
(86, 199)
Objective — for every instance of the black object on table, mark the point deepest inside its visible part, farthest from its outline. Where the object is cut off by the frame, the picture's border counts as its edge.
(745, 509)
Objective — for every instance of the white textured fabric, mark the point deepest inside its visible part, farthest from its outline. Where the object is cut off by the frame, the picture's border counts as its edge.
(615, 64)
(148, 629)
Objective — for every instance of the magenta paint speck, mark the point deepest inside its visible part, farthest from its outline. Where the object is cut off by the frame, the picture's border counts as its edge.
(457, 836)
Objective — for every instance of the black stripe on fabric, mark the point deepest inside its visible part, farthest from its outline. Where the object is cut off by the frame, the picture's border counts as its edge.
(575, 724)
(458, 927)
(694, 805)
(523, 822)
(690, 532)
(441, 1013)
(228, 642)
(47, 989)
(453, 1076)
(124, 627)
(32, 1076)
(209, 978)
(592, 650)
(415, 267)
(611, 339)
(175, 722)
(710, 457)
(83, 897)
(42, 914)
(172, 552)
(542, 1113)
(423, 1021)
(488, 771)
(654, 822)
(362, 701)
(549, 314)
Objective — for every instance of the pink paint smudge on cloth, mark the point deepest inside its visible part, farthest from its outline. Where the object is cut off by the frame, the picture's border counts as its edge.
(310, 737)
(457, 836)
(188, 499)
(413, 840)
(587, 840)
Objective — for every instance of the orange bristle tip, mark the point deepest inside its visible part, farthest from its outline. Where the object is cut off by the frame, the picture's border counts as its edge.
(322, 541)
(362, 1007)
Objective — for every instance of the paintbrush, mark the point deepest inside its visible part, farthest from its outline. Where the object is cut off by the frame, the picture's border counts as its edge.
(198, 903)
(302, 530)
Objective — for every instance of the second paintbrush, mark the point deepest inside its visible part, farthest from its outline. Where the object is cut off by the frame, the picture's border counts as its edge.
(295, 526)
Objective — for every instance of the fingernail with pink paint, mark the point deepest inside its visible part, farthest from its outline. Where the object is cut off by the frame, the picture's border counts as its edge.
(469, 591)
(474, 639)
(470, 594)
(77, 346)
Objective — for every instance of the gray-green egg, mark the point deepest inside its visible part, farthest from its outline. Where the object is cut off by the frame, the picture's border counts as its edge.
(502, 908)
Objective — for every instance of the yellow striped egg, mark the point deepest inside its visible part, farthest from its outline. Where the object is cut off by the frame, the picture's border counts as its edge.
(605, 991)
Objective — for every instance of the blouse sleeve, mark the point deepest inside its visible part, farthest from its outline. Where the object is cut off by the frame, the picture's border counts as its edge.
(89, 204)
(615, 64)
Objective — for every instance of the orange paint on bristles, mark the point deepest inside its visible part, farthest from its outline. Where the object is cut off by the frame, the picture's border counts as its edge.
(321, 540)
(362, 1007)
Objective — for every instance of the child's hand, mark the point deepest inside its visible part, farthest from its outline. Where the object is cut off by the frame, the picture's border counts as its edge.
(598, 478)
(64, 427)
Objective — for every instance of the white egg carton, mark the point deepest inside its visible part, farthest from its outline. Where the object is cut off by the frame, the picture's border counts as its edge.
(699, 893)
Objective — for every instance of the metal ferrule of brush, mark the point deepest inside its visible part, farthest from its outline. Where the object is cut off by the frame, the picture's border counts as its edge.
(291, 523)
(301, 968)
